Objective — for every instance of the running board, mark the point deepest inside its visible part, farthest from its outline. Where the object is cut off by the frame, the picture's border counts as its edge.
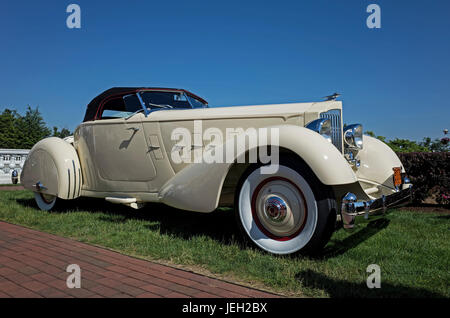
(370, 191)
(131, 202)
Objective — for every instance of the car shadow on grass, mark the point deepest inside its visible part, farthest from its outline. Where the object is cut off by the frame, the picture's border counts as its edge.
(444, 217)
(340, 288)
(338, 247)
(219, 225)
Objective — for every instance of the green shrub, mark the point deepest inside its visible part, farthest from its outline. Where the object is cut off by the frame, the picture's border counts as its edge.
(429, 173)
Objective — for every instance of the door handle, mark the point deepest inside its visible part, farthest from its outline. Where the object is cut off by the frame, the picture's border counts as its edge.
(135, 129)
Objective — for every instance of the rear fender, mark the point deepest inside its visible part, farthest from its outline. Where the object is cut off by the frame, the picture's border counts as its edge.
(54, 164)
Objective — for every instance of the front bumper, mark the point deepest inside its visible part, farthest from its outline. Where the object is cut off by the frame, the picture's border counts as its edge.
(353, 210)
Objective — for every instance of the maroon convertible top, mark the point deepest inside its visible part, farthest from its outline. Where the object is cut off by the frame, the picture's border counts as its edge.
(97, 102)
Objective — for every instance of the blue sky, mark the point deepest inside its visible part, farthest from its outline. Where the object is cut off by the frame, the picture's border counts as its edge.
(394, 80)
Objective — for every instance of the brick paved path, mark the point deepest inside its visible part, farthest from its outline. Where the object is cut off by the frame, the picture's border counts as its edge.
(33, 264)
(12, 188)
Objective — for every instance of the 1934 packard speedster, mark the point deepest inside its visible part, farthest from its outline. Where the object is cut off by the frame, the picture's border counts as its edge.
(290, 170)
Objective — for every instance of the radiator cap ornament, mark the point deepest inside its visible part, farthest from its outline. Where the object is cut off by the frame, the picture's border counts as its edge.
(332, 97)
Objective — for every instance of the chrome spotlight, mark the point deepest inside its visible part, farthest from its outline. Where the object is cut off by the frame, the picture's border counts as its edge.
(321, 126)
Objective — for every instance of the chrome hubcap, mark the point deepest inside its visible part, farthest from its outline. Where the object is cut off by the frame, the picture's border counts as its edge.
(279, 207)
(276, 209)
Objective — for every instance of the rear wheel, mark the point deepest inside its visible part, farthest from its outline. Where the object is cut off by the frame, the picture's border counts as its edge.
(44, 201)
(286, 212)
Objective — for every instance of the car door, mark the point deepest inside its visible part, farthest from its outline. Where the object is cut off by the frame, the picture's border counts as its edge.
(121, 152)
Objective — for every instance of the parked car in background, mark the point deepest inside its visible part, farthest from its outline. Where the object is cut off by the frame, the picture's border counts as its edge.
(132, 149)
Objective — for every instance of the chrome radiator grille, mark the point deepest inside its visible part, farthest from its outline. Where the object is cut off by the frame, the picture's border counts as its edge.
(334, 116)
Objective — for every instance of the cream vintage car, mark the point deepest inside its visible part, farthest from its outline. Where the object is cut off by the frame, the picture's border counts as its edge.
(139, 145)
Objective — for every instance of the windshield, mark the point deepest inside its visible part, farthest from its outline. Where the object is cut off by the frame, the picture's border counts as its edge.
(155, 99)
(195, 102)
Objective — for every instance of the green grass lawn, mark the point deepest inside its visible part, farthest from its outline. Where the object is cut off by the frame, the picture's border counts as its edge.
(411, 248)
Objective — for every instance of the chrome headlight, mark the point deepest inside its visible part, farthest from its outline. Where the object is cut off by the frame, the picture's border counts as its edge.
(353, 136)
(321, 126)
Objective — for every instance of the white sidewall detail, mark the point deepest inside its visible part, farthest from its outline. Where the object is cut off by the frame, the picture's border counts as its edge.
(257, 236)
(43, 205)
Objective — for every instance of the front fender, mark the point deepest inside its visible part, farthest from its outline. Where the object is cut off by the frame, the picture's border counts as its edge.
(198, 186)
(377, 160)
(324, 159)
(54, 163)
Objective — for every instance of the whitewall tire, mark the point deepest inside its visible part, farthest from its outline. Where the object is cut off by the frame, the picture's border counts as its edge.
(45, 202)
(280, 213)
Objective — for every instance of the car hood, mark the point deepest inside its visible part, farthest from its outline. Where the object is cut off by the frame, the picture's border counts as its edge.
(272, 110)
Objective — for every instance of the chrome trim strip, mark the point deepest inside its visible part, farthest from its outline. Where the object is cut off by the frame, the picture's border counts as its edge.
(74, 178)
(68, 191)
(79, 178)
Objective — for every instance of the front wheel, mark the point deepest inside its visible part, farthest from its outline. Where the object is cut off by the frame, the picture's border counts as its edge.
(45, 202)
(286, 212)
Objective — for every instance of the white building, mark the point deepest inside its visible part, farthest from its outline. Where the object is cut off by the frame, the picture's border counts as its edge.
(11, 159)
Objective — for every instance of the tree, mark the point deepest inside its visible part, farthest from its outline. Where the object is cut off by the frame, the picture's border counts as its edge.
(406, 145)
(435, 145)
(372, 134)
(8, 129)
(18, 131)
(32, 127)
(61, 134)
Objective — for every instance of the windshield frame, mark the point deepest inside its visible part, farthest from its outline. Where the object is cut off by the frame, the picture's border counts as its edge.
(147, 110)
